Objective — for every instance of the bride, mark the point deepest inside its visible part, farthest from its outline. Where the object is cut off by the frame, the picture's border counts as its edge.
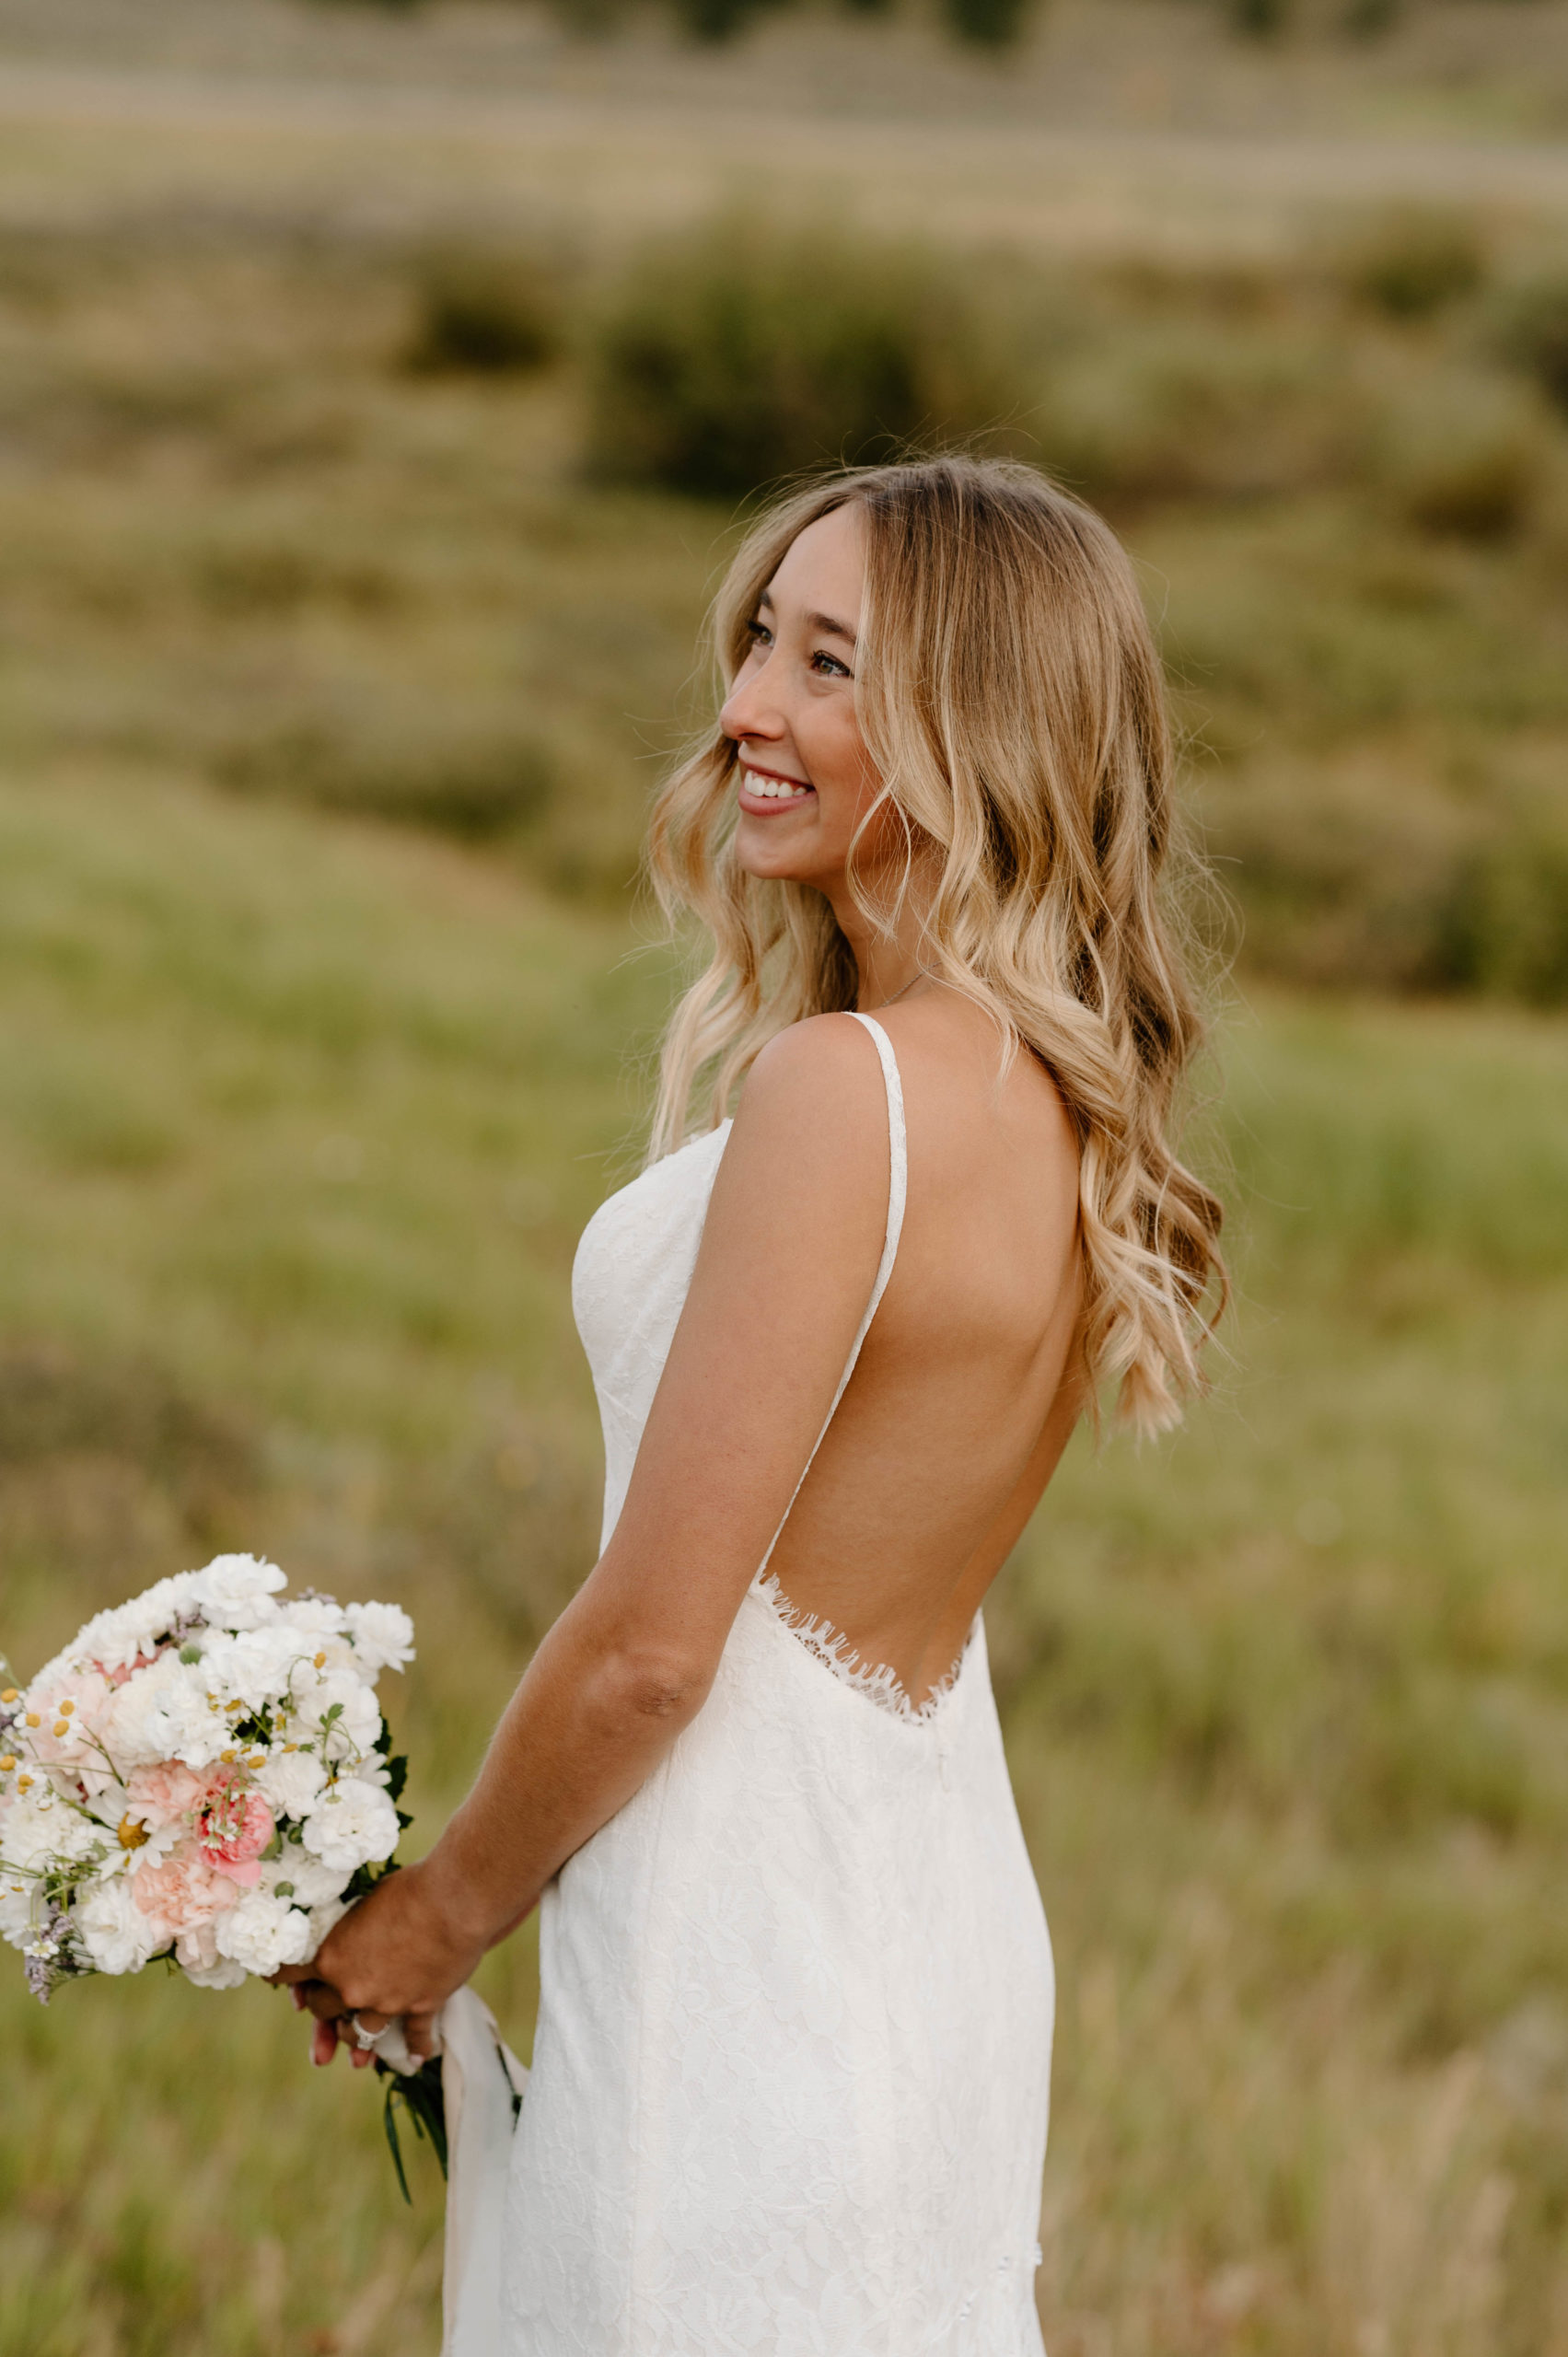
(792, 2065)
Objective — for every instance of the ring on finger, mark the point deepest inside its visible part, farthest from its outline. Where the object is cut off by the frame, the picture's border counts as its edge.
(367, 2040)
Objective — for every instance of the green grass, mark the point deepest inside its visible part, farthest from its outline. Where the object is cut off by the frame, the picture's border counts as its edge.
(300, 1117)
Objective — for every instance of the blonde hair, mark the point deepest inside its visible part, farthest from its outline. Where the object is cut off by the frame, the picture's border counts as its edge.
(1011, 698)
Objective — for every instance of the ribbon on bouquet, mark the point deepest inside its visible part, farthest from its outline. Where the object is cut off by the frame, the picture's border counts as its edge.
(482, 2086)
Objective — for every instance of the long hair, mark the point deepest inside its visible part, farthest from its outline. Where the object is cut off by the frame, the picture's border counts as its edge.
(1011, 700)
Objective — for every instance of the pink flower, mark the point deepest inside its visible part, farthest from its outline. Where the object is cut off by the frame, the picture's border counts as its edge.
(123, 1670)
(184, 1892)
(234, 1830)
(70, 1712)
(164, 1794)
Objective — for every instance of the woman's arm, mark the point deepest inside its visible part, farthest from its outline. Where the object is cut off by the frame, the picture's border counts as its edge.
(788, 1258)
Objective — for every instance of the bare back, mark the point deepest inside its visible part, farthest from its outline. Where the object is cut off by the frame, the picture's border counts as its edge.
(965, 1391)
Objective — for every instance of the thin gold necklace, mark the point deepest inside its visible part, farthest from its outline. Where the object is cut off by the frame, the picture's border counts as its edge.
(919, 975)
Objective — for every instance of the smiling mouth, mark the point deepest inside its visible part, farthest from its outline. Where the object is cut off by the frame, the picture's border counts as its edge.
(769, 787)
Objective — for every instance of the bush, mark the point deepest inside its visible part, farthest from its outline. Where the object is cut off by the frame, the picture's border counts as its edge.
(736, 356)
(984, 24)
(1179, 413)
(1466, 460)
(1413, 264)
(1505, 929)
(485, 312)
(479, 791)
(1533, 332)
(1364, 879)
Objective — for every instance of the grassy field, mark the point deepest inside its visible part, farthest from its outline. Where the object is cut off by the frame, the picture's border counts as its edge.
(332, 685)
(299, 1120)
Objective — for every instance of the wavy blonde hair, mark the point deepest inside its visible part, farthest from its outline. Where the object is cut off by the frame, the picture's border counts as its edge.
(1011, 698)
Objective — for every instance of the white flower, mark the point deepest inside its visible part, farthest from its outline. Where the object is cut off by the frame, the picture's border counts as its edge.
(308, 1882)
(290, 1782)
(16, 1907)
(116, 1638)
(255, 1667)
(38, 1830)
(262, 1932)
(355, 1823)
(383, 1635)
(116, 1934)
(318, 1693)
(224, 1974)
(319, 1614)
(164, 1713)
(237, 1591)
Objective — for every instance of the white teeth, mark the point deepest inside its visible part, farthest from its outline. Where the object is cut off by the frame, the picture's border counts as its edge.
(774, 789)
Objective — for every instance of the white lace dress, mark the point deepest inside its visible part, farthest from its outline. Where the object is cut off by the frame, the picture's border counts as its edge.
(792, 2066)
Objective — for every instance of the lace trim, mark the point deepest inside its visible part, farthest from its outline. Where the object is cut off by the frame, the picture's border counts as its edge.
(877, 1681)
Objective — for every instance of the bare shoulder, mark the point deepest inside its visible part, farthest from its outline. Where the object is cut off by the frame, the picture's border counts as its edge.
(818, 1088)
(802, 1181)
(828, 1060)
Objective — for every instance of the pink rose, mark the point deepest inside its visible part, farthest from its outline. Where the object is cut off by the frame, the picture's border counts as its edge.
(184, 1892)
(164, 1794)
(234, 1829)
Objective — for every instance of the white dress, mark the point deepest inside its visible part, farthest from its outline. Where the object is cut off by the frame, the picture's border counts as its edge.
(792, 2066)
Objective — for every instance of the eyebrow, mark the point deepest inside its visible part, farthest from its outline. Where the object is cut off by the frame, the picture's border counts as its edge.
(825, 622)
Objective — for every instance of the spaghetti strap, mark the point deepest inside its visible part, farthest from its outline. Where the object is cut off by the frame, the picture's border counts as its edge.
(897, 1183)
(898, 1190)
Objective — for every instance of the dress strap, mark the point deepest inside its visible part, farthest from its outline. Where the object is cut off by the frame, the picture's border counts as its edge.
(898, 1190)
(898, 1186)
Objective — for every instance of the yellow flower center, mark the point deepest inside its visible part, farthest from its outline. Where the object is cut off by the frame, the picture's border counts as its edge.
(132, 1835)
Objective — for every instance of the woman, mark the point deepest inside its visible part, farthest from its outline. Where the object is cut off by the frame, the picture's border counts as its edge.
(790, 2072)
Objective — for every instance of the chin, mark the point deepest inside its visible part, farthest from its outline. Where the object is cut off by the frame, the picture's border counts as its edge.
(771, 862)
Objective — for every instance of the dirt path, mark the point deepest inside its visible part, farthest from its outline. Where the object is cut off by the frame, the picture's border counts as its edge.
(77, 134)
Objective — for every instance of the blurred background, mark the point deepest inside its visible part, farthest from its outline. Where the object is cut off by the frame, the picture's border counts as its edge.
(378, 390)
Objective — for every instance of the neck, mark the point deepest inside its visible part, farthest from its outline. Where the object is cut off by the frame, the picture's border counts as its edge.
(888, 963)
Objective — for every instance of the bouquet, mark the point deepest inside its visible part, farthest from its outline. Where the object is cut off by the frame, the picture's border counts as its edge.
(202, 1775)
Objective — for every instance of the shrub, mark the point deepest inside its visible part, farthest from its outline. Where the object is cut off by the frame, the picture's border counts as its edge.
(487, 312)
(1367, 878)
(984, 24)
(1466, 460)
(1504, 927)
(1413, 263)
(736, 356)
(478, 790)
(1532, 332)
(1184, 413)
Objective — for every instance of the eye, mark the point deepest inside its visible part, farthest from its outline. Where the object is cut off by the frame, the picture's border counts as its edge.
(828, 667)
(759, 633)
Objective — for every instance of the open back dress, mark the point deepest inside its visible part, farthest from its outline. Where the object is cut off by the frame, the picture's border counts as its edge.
(791, 2073)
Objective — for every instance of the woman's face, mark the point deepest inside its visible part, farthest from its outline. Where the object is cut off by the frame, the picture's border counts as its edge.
(804, 779)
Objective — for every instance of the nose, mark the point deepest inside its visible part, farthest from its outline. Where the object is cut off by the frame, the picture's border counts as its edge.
(750, 708)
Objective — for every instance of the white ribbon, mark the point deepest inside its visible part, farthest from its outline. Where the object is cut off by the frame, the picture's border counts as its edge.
(481, 2078)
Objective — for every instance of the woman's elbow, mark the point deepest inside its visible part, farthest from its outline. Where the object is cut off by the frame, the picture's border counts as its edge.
(654, 1682)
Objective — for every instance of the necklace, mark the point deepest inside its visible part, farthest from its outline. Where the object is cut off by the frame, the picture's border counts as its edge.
(919, 975)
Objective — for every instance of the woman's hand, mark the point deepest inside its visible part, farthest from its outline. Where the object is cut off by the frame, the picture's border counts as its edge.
(400, 1951)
